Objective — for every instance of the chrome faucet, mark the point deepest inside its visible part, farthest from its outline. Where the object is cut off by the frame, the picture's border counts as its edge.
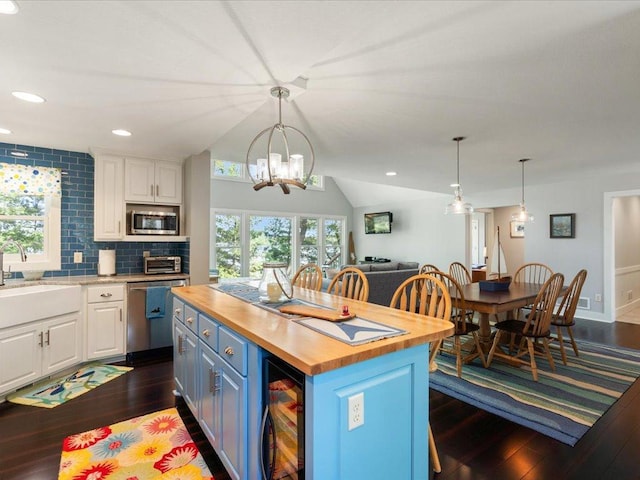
(23, 256)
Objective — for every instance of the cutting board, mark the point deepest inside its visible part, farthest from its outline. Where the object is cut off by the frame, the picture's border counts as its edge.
(323, 313)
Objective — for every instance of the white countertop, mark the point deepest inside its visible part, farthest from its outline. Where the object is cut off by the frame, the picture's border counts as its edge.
(94, 279)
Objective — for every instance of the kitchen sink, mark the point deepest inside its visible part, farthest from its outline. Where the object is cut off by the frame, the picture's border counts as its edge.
(19, 305)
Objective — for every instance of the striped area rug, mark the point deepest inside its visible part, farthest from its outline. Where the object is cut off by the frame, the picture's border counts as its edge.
(563, 404)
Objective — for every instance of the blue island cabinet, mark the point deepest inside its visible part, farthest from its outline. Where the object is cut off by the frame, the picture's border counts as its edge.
(392, 441)
(227, 373)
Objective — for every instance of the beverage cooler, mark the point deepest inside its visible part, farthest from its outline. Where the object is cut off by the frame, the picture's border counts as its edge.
(282, 447)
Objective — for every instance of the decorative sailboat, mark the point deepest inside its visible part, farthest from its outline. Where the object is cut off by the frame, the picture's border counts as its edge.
(497, 262)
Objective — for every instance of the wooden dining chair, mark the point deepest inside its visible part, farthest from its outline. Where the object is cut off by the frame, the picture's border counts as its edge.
(350, 282)
(426, 295)
(428, 268)
(564, 314)
(532, 273)
(308, 276)
(535, 329)
(464, 325)
(458, 271)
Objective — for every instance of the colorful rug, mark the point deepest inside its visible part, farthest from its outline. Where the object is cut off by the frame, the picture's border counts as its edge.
(562, 405)
(51, 393)
(155, 446)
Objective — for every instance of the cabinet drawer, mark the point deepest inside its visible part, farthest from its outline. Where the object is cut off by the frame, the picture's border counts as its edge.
(208, 331)
(191, 318)
(233, 349)
(178, 309)
(105, 293)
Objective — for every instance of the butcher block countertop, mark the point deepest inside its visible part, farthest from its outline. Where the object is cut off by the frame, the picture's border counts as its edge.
(311, 352)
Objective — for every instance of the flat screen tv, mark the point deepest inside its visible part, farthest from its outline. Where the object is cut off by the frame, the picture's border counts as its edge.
(379, 222)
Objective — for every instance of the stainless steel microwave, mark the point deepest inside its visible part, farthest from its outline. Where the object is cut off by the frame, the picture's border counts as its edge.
(154, 223)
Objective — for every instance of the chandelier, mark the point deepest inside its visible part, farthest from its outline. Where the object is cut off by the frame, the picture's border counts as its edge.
(458, 206)
(522, 215)
(281, 161)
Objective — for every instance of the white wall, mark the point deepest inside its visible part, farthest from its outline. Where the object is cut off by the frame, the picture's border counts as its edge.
(626, 232)
(420, 232)
(197, 171)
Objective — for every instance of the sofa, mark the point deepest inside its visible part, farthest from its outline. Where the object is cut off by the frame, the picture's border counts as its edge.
(384, 278)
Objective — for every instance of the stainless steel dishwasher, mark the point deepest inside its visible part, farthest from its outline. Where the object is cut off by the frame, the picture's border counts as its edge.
(149, 338)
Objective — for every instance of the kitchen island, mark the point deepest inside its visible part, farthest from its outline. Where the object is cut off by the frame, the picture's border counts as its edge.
(221, 342)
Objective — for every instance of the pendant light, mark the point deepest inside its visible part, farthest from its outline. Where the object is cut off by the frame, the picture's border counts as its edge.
(458, 206)
(286, 167)
(522, 215)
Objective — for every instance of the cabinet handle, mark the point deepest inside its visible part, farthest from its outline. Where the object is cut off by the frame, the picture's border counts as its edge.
(229, 351)
(106, 295)
(120, 315)
(157, 190)
(206, 332)
(47, 338)
(177, 312)
(212, 381)
(216, 382)
(189, 320)
(40, 342)
(180, 345)
(152, 190)
(119, 226)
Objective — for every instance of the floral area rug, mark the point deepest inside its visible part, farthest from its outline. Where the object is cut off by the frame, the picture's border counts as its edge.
(51, 393)
(155, 446)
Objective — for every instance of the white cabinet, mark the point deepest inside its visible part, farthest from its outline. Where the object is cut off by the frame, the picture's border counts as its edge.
(109, 221)
(106, 323)
(152, 181)
(37, 349)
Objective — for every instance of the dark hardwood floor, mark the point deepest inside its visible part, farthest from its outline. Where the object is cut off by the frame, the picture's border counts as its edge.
(473, 444)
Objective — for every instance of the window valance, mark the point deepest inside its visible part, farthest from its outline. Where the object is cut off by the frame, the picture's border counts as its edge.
(17, 179)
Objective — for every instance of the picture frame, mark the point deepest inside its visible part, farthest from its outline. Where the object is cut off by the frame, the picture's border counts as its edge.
(516, 229)
(562, 225)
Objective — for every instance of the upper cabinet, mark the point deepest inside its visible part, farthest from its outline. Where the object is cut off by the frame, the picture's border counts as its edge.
(109, 220)
(152, 181)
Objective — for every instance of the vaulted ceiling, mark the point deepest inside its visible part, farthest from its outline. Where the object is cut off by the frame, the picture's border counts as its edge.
(381, 85)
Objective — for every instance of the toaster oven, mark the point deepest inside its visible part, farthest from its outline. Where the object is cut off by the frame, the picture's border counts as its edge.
(167, 264)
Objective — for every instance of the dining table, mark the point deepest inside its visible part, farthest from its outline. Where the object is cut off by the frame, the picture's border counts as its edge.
(487, 303)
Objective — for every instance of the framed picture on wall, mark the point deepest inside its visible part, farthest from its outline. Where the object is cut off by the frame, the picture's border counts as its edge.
(517, 229)
(562, 225)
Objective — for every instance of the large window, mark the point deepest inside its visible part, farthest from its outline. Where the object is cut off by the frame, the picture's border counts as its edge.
(30, 215)
(244, 241)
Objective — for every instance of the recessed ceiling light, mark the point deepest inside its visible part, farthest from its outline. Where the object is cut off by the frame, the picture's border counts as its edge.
(6, 131)
(122, 133)
(8, 7)
(28, 97)
(391, 174)
(16, 153)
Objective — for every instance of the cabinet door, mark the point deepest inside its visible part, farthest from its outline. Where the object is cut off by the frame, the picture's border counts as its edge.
(233, 412)
(190, 346)
(139, 177)
(20, 356)
(179, 334)
(168, 180)
(208, 407)
(105, 329)
(61, 343)
(108, 197)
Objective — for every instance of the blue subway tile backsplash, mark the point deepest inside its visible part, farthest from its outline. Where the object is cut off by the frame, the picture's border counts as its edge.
(77, 215)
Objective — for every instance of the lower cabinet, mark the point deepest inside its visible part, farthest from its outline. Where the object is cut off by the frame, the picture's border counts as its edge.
(220, 385)
(105, 321)
(38, 349)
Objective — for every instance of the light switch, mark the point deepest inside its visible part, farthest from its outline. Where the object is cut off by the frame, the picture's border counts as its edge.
(77, 257)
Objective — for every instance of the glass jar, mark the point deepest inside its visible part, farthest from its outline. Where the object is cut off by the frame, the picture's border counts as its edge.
(275, 285)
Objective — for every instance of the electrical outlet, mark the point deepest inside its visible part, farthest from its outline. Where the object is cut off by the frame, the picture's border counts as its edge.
(146, 253)
(598, 297)
(356, 410)
(77, 257)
